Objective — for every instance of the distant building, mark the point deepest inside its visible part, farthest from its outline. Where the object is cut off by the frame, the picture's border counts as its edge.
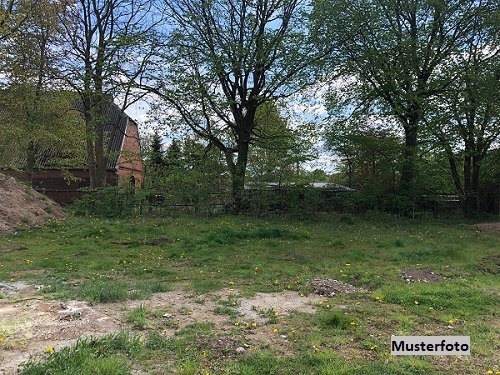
(64, 185)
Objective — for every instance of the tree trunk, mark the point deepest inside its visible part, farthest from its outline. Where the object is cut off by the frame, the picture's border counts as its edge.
(90, 134)
(349, 171)
(469, 197)
(30, 162)
(408, 168)
(476, 165)
(100, 155)
(238, 173)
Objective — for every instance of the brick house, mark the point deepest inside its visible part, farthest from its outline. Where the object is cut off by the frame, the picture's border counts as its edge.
(64, 185)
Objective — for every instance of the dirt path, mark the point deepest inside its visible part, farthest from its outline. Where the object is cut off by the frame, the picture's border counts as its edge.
(29, 324)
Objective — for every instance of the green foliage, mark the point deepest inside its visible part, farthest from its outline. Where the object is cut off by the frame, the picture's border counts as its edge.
(109, 202)
(386, 78)
(280, 149)
(35, 116)
(189, 177)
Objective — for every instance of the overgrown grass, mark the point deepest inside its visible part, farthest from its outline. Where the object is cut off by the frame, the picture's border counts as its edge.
(103, 261)
(110, 355)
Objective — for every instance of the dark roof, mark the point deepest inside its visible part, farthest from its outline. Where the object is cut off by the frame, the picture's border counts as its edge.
(48, 157)
(114, 130)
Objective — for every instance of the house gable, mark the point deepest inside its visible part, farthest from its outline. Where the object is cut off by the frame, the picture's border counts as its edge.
(130, 161)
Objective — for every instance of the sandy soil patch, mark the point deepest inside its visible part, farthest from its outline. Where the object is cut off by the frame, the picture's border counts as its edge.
(29, 324)
(490, 228)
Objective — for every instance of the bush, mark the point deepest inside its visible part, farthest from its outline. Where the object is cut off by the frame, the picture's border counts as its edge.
(109, 202)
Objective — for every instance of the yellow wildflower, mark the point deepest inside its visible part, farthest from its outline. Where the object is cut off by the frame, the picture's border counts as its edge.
(416, 302)
(275, 330)
(49, 349)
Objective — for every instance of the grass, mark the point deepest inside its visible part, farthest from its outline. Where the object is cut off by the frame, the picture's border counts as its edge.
(109, 355)
(103, 261)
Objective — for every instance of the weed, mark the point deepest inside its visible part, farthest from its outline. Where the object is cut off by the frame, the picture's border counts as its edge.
(327, 319)
(137, 317)
(103, 291)
(271, 314)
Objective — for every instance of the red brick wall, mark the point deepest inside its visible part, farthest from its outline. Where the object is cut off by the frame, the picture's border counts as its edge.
(130, 163)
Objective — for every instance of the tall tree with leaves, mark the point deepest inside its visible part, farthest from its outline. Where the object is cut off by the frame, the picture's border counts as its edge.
(368, 148)
(108, 44)
(226, 58)
(280, 148)
(35, 112)
(398, 56)
(465, 121)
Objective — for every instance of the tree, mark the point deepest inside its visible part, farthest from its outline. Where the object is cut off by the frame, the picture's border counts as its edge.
(465, 120)
(226, 58)
(280, 149)
(156, 165)
(13, 13)
(109, 45)
(192, 175)
(368, 148)
(35, 112)
(397, 56)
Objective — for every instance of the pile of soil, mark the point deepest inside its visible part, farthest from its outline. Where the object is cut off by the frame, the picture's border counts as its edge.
(20, 205)
(417, 275)
(330, 287)
(490, 228)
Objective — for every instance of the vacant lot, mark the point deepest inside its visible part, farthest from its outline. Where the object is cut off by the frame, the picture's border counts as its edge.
(242, 296)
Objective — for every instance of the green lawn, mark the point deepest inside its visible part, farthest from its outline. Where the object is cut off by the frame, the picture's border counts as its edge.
(116, 260)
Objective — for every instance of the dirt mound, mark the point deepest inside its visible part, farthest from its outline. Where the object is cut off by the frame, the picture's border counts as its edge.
(490, 265)
(420, 275)
(22, 206)
(330, 287)
(490, 228)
